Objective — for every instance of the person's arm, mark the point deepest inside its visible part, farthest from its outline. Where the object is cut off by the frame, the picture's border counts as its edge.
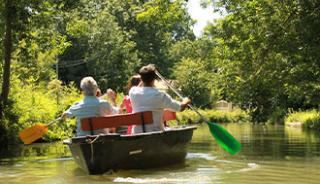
(175, 105)
(63, 116)
(73, 111)
(112, 97)
(66, 114)
(122, 106)
(109, 109)
(184, 103)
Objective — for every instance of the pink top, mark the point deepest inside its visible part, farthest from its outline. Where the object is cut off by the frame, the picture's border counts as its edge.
(127, 103)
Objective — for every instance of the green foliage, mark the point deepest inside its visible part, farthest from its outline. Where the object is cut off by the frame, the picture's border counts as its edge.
(309, 119)
(114, 56)
(36, 42)
(266, 55)
(196, 82)
(38, 104)
(112, 39)
(108, 40)
(1, 27)
(160, 24)
(216, 116)
(107, 53)
(78, 28)
(200, 48)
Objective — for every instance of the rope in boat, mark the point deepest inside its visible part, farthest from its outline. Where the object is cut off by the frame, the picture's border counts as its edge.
(91, 145)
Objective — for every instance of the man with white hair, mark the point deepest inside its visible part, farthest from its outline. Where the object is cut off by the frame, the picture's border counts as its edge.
(91, 106)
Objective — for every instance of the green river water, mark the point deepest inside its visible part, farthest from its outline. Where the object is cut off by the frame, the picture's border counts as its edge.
(271, 155)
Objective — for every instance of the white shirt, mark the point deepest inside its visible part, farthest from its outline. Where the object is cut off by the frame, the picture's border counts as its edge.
(152, 99)
(90, 106)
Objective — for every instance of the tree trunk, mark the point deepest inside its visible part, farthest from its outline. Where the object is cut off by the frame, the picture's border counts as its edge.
(7, 45)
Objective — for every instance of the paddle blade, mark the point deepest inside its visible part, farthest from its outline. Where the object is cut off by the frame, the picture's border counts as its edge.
(29, 135)
(224, 138)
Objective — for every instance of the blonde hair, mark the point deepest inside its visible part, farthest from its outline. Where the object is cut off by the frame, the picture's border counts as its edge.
(89, 86)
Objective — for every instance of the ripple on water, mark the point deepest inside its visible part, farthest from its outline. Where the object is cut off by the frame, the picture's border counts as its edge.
(207, 169)
(57, 159)
(190, 179)
(200, 155)
(9, 175)
(250, 167)
(149, 180)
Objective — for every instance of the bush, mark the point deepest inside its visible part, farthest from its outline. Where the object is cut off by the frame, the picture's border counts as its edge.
(41, 104)
(189, 116)
(307, 119)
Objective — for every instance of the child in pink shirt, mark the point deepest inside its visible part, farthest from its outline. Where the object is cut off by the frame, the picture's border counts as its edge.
(126, 103)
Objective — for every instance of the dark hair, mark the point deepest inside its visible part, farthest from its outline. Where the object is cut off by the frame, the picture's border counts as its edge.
(148, 73)
(133, 81)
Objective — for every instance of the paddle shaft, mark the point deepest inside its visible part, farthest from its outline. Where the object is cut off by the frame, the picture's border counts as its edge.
(53, 121)
(177, 93)
(223, 137)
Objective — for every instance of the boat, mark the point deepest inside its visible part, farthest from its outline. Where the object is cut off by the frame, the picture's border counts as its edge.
(97, 154)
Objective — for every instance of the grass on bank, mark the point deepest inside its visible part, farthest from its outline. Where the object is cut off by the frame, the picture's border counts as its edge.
(190, 117)
(305, 119)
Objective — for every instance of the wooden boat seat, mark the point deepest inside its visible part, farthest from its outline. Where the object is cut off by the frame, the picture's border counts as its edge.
(169, 115)
(94, 123)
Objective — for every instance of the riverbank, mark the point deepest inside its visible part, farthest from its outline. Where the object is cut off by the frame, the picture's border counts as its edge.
(218, 116)
(304, 119)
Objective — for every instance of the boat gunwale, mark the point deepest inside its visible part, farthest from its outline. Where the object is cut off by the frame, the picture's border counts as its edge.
(79, 139)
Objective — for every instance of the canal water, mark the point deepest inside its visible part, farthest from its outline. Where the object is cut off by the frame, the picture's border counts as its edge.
(271, 154)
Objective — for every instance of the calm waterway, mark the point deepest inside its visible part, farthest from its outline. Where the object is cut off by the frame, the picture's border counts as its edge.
(271, 155)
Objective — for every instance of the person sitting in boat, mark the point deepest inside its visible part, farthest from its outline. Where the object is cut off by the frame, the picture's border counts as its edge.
(91, 106)
(146, 97)
(126, 102)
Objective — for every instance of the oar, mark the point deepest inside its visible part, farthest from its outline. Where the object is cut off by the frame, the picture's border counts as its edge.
(31, 134)
(222, 136)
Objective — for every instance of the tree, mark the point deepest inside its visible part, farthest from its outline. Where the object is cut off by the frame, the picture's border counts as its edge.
(8, 11)
(196, 82)
(116, 37)
(99, 45)
(114, 55)
(267, 54)
(161, 24)
(7, 45)
(30, 46)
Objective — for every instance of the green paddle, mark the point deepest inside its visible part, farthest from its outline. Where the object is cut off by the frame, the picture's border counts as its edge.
(222, 136)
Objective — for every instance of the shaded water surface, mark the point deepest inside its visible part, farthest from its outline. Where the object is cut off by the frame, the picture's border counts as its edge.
(271, 154)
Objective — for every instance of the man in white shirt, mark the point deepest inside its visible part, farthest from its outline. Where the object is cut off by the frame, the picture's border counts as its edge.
(146, 97)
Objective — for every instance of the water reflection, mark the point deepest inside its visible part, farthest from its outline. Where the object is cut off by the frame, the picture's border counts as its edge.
(274, 141)
(271, 154)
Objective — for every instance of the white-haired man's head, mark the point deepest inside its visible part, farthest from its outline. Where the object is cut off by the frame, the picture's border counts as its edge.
(89, 86)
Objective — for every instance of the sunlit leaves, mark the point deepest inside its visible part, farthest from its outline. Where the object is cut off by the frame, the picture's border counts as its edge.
(196, 82)
(78, 28)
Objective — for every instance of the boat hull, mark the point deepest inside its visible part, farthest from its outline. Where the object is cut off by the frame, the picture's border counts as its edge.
(100, 153)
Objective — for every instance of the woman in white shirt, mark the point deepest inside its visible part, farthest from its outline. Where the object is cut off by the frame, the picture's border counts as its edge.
(146, 97)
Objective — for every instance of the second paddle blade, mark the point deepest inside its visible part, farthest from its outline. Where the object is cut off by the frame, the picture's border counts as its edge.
(224, 138)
